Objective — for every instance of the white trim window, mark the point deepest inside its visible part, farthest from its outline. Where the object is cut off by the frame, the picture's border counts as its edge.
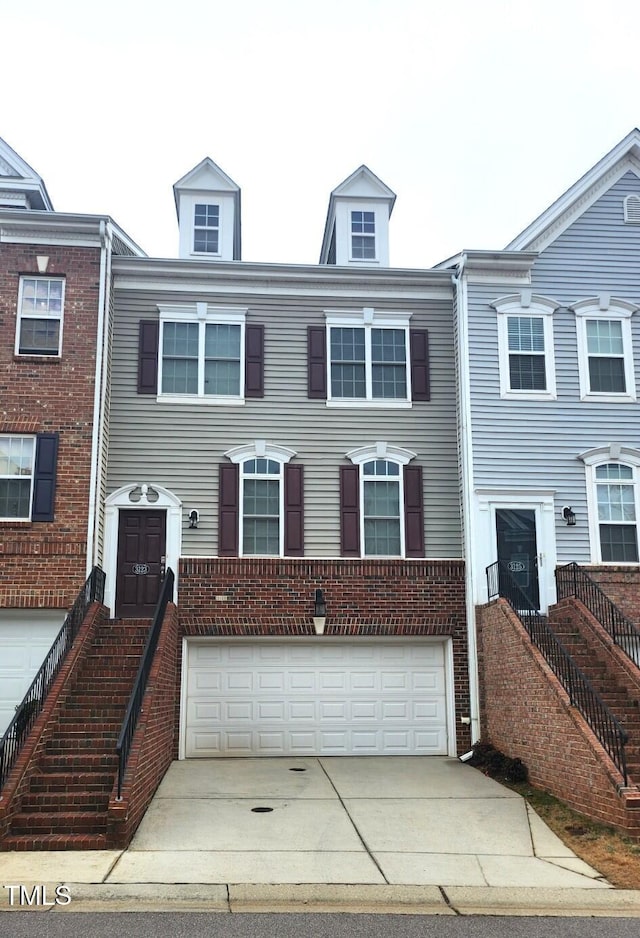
(614, 503)
(261, 522)
(206, 228)
(382, 504)
(17, 460)
(605, 353)
(40, 313)
(201, 353)
(525, 347)
(363, 236)
(368, 358)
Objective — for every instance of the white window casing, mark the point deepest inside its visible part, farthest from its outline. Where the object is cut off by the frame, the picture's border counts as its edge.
(40, 316)
(536, 315)
(627, 458)
(17, 468)
(370, 456)
(601, 311)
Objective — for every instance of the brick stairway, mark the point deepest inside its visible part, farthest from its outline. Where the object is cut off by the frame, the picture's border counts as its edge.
(622, 702)
(66, 804)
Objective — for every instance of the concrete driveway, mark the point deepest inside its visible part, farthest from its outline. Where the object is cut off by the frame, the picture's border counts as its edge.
(395, 820)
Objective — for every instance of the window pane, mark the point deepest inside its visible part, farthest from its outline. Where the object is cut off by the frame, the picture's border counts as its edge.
(261, 497)
(205, 240)
(14, 498)
(347, 345)
(348, 381)
(388, 345)
(180, 339)
(604, 337)
(179, 376)
(614, 470)
(222, 341)
(39, 337)
(363, 247)
(525, 333)
(261, 536)
(16, 455)
(527, 373)
(222, 378)
(389, 381)
(363, 222)
(607, 375)
(616, 503)
(381, 499)
(618, 543)
(381, 538)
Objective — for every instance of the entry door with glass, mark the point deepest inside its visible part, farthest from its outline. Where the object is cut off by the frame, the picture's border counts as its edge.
(518, 549)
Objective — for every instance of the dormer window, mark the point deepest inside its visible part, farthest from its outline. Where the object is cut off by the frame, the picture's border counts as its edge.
(206, 229)
(363, 236)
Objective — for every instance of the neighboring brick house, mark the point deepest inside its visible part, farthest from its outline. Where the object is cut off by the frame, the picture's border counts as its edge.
(284, 438)
(54, 334)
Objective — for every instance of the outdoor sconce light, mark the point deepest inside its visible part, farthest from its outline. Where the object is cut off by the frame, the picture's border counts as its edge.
(194, 518)
(569, 515)
(319, 613)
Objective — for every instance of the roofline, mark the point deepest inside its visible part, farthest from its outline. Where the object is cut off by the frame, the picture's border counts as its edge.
(237, 273)
(39, 182)
(629, 147)
(63, 221)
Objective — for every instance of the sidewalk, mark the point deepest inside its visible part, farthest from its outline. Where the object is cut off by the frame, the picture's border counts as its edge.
(413, 835)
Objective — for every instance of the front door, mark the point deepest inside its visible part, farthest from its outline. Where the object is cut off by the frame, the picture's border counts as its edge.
(518, 550)
(141, 559)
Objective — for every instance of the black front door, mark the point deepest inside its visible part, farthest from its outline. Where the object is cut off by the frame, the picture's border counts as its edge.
(518, 550)
(141, 559)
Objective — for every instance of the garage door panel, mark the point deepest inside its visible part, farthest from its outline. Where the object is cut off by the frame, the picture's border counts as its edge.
(333, 698)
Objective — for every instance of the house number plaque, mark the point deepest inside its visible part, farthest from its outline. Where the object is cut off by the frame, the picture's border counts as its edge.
(140, 568)
(517, 566)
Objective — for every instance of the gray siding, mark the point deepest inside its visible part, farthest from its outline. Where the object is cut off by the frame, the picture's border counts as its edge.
(181, 445)
(536, 443)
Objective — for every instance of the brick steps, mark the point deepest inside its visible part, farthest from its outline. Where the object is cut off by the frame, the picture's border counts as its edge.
(66, 804)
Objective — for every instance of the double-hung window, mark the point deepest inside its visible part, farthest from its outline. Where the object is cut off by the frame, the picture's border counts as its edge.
(614, 505)
(40, 309)
(17, 457)
(206, 229)
(201, 355)
(261, 530)
(381, 500)
(605, 354)
(368, 358)
(363, 236)
(525, 347)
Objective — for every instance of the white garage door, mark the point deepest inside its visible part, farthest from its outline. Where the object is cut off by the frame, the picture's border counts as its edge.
(25, 638)
(326, 697)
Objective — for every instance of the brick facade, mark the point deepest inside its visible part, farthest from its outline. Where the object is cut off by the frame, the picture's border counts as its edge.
(621, 585)
(274, 596)
(527, 715)
(42, 564)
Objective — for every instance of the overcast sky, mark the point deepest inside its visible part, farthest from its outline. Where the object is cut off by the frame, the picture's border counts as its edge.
(478, 114)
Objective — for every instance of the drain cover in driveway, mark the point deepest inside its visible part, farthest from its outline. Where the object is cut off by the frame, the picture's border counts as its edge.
(261, 810)
(297, 770)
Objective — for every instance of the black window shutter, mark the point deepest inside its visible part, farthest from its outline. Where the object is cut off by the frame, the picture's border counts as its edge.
(413, 512)
(44, 479)
(419, 356)
(148, 335)
(293, 510)
(228, 510)
(254, 361)
(317, 362)
(349, 511)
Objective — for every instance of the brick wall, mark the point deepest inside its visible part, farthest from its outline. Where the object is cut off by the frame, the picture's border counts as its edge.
(274, 596)
(43, 564)
(154, 740)
(528, 716)
(622, 586)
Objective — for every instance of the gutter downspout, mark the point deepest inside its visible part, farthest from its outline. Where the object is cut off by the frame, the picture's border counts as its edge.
(467, 479)
(98, 396)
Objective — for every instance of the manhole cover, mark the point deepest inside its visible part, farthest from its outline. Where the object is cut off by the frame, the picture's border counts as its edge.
(297, 770)
(261, 810)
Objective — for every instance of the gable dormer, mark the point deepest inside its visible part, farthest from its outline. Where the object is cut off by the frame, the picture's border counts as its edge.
(20, 186)
(356, 232)
(208, 207)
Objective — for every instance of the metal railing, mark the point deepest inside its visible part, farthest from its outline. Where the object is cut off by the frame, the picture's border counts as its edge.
(33, 701)
(123, 746)
(572, 580)
(582, 694)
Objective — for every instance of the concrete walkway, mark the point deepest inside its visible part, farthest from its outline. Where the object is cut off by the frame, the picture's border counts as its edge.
(266, 833)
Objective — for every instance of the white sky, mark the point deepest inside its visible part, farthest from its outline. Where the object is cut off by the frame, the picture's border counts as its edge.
(478, 114)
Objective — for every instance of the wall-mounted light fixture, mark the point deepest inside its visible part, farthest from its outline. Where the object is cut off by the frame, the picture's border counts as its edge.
(194, 518)
(569, 515)
(319, 612)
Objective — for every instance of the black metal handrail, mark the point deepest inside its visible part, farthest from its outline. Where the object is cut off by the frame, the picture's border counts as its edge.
(582, 694)
(573, 580)
(134, 707)
(33, 701)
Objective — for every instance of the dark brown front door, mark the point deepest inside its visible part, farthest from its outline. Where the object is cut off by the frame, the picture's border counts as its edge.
(141, 559)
